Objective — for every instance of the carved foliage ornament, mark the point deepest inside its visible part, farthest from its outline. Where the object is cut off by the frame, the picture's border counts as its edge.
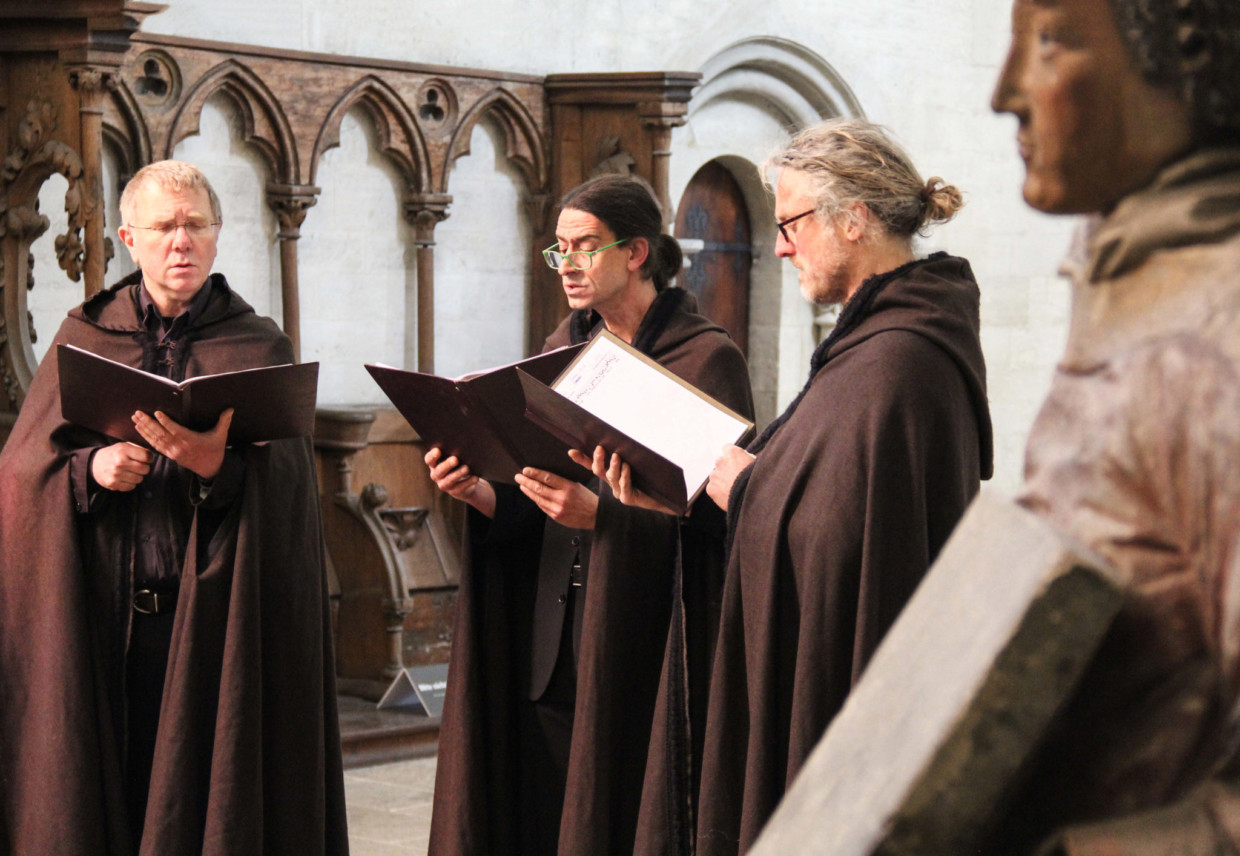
(35, 150)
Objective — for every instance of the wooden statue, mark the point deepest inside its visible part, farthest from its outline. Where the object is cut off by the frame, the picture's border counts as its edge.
(1128, 111)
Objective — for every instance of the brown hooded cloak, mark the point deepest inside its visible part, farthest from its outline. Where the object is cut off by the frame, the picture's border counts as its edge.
(853, 491)
(643, 621)
(247, 758)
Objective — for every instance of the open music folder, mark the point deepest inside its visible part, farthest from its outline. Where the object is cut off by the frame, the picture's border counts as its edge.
(480, 417)
(269, 403)
(669, 432)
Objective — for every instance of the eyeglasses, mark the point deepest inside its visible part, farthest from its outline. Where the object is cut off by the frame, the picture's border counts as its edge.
(577, 259)
(193, 227)
(783, 224)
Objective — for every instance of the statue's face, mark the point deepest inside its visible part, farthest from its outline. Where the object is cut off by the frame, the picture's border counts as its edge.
(1091, 128)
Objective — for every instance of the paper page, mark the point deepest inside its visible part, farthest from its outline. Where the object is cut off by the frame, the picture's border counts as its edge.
(658, 411)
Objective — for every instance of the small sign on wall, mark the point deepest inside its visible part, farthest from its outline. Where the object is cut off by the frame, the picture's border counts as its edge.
(418, 687)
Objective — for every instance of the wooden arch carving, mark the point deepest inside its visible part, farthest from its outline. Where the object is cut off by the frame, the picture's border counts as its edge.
(263, 121)
(523, 144)
(400, 138)
(126, 131)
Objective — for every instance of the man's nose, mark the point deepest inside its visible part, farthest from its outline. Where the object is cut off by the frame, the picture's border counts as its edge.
(783, 247)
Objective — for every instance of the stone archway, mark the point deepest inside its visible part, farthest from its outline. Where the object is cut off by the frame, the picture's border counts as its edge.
(753, 93)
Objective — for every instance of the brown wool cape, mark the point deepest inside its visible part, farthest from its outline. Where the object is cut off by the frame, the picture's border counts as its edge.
(248, 754)
(854, 490)
(647, 627)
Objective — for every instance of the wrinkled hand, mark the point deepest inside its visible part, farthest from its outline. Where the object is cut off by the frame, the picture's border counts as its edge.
(121, 466)
(723, 476)
(200, 452)
(455, 479)
(566, 502)
(618, 478)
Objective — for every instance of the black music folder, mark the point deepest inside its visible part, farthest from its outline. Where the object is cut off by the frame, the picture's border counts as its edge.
(480, 417)
(269, 403)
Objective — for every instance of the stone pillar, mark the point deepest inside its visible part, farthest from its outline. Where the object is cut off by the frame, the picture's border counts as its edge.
(426, 211)
(90, 84)
(290, 202)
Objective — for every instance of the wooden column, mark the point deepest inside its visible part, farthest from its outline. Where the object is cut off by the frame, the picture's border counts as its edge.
(91, 84)
(659, 118)
(290, 202)
(608, 123)
(426, 211)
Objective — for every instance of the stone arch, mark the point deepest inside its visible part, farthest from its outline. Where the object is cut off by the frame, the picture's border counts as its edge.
(264, 124)
(789, 86)
(523, 145)
(789, 78)
(400, 138)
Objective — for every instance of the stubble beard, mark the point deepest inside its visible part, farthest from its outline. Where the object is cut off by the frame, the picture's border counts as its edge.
(828, 287)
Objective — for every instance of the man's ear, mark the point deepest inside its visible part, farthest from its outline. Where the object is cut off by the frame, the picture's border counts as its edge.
(639, 251)
(126, 236)
(856, 221)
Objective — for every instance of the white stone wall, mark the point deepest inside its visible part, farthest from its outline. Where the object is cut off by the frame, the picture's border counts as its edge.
(925, 70)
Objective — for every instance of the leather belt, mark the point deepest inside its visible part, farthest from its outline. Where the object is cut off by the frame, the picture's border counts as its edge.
(575, 577)
(154, 602)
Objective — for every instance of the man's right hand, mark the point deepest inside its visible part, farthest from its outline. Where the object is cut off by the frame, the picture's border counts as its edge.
(121, 466)
(455, 479)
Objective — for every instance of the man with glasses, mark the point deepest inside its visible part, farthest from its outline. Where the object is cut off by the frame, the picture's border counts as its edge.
(573, 604)
(164, 648)
(837, 510)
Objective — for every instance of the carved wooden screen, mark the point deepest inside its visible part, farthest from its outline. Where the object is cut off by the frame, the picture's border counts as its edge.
(69, 84)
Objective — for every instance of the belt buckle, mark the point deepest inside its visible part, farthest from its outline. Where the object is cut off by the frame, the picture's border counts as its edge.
(154, 602)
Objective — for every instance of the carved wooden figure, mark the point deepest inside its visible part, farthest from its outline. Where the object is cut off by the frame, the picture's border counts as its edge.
(1130, 110)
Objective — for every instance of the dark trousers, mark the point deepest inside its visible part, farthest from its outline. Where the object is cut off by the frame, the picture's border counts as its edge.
(145, 665)
(546, 737)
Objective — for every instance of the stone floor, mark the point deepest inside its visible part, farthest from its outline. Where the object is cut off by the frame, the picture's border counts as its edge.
(389, 807)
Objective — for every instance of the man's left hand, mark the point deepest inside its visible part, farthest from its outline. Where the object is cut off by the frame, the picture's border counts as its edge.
(202, 453)
(566, 502)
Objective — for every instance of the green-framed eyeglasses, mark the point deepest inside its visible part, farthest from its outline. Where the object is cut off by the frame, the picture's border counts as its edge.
(577, 259)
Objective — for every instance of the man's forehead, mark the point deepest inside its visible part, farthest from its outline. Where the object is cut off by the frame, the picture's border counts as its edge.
(154, 194)
(791, 188)
(579, 226)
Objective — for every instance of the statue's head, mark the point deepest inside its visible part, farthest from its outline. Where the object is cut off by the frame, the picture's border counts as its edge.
(1107, 92)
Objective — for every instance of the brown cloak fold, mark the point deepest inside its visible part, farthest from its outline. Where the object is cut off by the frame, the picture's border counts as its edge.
(854, 490)
(631, 598)
(248, 754)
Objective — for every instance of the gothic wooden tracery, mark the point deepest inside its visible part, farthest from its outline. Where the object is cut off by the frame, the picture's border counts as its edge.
(89, 80)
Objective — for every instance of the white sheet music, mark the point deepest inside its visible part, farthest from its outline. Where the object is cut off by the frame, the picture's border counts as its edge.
(660, 412)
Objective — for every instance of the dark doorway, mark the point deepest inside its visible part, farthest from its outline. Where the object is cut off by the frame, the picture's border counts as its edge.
(712, 210)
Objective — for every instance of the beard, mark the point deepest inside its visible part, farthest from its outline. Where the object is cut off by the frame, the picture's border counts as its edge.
(824, 287)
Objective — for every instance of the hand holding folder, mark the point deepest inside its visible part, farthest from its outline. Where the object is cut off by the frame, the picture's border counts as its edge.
(666, 430)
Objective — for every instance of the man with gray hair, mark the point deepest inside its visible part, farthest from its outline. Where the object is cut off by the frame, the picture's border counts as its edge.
(1130, 109)
(837, 510)
(165, 651)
